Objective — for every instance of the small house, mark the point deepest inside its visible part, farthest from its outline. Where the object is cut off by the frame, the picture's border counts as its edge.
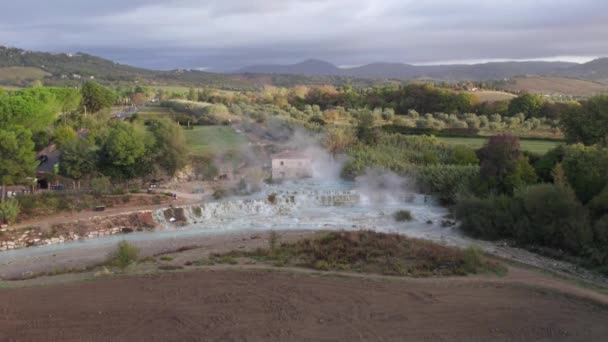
(291, 165)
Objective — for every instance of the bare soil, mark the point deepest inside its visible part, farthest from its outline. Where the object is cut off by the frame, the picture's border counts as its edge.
(281, 306)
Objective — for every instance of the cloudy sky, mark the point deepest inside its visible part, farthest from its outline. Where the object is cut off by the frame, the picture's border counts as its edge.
(227, 34)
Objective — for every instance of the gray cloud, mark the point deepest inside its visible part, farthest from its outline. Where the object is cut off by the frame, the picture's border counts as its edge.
(225, 34)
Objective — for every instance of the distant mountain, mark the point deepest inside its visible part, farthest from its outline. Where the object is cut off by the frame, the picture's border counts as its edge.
(307, 67)
(594, 70)
(72, 69)
(21, 67)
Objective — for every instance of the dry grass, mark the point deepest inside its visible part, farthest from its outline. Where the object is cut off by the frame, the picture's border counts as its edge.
(491, 95)
(557, 86)
(369, 252)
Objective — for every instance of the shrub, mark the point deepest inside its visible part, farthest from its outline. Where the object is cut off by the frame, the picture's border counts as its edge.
(585, 168)
(554, 218)
(462, 155)
(472, 259)
(446, 181)
(124, 255)
(100, 186)
(403, 215)
(219, 193)
(489, 218)
(9, 210)
(272, 198)
(273, 241)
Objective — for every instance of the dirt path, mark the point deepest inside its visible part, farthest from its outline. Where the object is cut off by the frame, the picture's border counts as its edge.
(276, 306)
(66, 217)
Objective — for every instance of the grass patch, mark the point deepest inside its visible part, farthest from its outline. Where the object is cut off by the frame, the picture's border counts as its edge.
(372, 252)
(204, 140)
(534, 146)
(21, 74)
(166, 258)
(403, 216)
(125, 255)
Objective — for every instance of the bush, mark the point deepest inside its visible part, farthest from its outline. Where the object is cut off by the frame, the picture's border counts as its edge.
(124, 255)
(473, 259)
(545, 214)
(585, 168)
(100, 186)
(403, 215)
(446, 181)
(462, 155)
(489, 218)
(9, 210)
(553, 217)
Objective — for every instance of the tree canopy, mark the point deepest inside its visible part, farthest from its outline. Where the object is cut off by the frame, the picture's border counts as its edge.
(17, 156)
(588, 123)
(96, 97)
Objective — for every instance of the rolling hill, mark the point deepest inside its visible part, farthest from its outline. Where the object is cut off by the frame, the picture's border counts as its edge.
(557, 86)
(20, 67)
(595, 70)
(72, 69)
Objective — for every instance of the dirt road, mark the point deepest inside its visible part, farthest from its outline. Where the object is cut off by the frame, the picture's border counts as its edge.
(278, 306)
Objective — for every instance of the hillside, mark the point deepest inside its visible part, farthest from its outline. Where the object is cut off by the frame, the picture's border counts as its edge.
(557, 86)
(15, 74)
(595, 70)
(20, 67)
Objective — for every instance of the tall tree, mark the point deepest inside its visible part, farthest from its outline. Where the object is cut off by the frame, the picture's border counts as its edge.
(587, 124)
(528, 104)
(123, 151)
(96, 97)
(502, 166)
(17, 156)
(78, 159)
(169, 149)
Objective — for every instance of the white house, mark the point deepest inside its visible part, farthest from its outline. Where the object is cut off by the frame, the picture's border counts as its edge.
(291, 165)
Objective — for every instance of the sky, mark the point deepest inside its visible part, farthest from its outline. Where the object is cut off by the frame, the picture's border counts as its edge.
(225, 35)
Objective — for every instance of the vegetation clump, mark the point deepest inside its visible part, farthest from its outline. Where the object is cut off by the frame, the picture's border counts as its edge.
(372, 252)
(403, 216)
(125, 255)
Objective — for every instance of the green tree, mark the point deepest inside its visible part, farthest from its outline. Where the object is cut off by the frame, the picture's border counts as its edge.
(553, 217)
(9, 210)
(337, 140)
(192, 95)
(17, 156)
(502, 166)
(78, 159)
(169, 146)
(528, 104)
(585, 168)
(64, 135)
(96, 97)
(34, 108)
(587, 124)
(365, 128)
(123, 151)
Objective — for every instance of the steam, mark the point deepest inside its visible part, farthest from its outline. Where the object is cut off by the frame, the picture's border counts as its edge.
(378, 186)
(324, 166)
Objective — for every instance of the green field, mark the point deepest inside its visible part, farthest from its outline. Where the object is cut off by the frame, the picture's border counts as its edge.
(152, 112)
(172, 89)
(21, 74)
(214, 139)
(534, 146)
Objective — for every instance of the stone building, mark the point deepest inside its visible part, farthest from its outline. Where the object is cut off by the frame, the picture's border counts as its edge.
(291, 165)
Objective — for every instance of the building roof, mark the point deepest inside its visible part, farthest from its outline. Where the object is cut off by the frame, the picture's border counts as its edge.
(291, 155)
